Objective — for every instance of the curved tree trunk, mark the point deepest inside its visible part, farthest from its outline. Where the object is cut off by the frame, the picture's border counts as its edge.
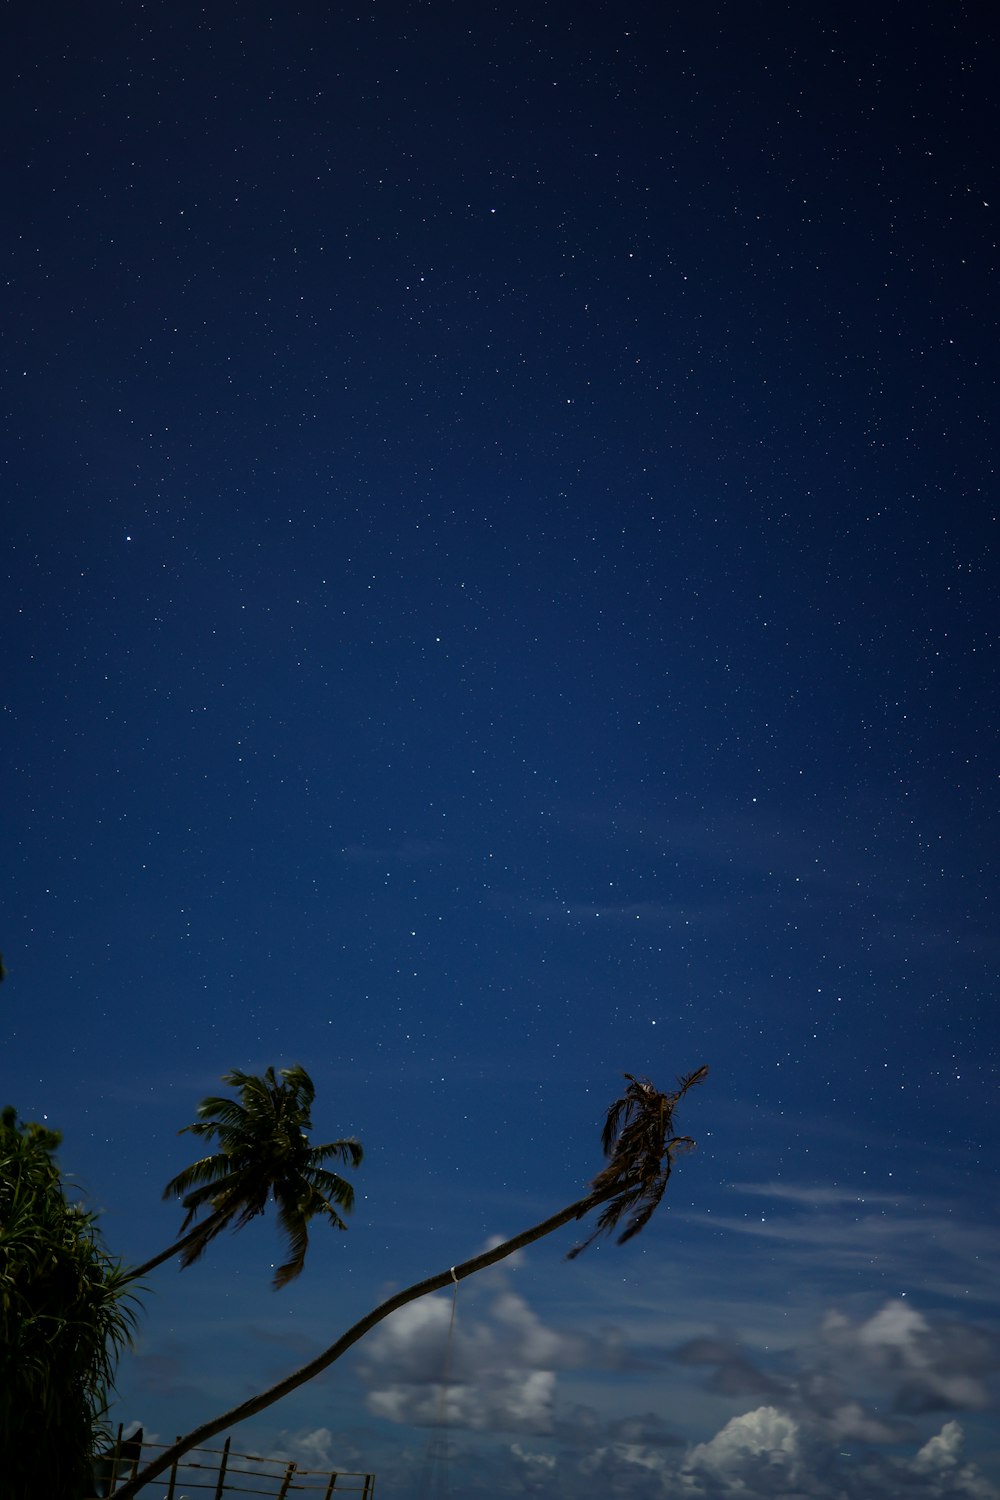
(171, 1250)
(200, 1435)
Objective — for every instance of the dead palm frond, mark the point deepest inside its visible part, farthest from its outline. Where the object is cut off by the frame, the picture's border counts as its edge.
(638, 1139)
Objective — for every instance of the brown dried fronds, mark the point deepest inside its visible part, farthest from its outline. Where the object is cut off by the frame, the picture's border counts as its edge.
(638, 1139)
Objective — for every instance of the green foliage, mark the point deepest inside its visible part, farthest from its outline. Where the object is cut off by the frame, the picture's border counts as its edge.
(64, 1319)
(264, 1155)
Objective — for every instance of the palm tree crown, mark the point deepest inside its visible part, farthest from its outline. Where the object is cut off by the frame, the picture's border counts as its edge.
(637, 1139)
(264, 1154)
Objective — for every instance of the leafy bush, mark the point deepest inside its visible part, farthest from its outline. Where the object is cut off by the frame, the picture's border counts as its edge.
(64, 1319)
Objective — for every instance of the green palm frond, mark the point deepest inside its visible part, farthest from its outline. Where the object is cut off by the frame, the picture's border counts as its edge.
(216, 1116)
(200, 1240)
(248, 1083)
(263, 1155)
(348, 1151)
(208, 1170)
(330, 1185)
(293, 1218)
(324, 1209)
(300, 1084)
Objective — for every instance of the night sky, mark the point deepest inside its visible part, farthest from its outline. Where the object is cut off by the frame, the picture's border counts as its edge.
(499, 589)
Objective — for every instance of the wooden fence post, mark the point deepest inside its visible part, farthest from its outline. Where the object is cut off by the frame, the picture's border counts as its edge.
(173, 1476)
(286, 1483)
(222, 1470)
(116, 1454)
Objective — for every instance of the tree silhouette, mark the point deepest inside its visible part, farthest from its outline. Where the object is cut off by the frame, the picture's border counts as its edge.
(64, 1319)
(641, 1153)
(264, 1156)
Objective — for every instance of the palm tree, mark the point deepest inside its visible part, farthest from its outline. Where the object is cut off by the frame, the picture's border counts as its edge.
(640, 1155)
(264, 1154)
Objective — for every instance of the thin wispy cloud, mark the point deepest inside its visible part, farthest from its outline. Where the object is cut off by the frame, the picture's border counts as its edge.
(865, 1231)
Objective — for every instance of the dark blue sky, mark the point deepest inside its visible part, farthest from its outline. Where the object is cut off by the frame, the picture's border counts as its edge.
(499, 590)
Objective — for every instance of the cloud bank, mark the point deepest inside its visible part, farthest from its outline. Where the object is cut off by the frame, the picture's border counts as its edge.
(850, 1414)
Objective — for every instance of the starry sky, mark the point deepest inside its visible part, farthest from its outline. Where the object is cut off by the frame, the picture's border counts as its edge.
(499, 590)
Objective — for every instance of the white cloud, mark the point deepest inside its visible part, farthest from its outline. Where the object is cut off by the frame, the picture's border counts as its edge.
(766, 1453)
(815, 1197)
(503, 1401)
(493, 1370)
(763, 1454)
(318, 1449)
(494, 1373)
(941, 1453)
(543, 1461)
(929, 1366)
(828, 1405)
(861, 1381)
(758, 1451)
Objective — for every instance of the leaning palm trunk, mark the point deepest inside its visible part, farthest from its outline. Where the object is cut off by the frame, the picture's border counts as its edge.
(201, 1232)
(641, 1160)
(250, 1408)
